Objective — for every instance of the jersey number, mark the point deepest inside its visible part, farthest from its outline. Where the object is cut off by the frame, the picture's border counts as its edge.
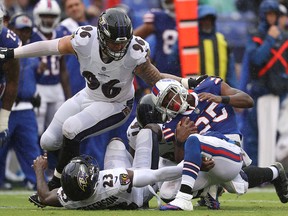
(215, 117)
(108, 89)
(108, 180)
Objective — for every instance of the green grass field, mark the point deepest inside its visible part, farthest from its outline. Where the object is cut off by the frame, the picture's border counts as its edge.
(257, 202)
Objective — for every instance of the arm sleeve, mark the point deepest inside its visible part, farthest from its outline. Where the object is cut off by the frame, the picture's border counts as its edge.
(37, 49)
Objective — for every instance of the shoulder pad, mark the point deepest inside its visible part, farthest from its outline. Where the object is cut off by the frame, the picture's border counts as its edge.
(138, 49)
(83, 35)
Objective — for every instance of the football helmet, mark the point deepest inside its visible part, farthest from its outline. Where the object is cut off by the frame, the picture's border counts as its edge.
(79, 177)
(46, 15)
(174, 106)
(114, 29)
(146, 112)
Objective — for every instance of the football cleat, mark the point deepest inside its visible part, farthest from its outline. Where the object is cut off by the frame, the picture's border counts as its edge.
(169, 207)
(281, 183)
(211, 202)
(181, 202)
(34, 198)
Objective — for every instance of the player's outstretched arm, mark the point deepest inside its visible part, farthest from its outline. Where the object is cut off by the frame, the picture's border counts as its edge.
(46, 197)
(41, 48)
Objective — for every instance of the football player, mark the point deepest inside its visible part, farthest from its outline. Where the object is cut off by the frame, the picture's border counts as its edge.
(210, 107)
(118, 186)
(109, 56)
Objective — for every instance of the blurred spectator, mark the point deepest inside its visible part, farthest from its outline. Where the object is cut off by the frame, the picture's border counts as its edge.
(162, 24)
(23, 130)
(94, 10)
(265, 78)
(216, 58)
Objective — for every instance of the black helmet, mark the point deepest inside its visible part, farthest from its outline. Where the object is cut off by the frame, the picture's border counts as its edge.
(79, 177)
(146, 112)
(114, 26)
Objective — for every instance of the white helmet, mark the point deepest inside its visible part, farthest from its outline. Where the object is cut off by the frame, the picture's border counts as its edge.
(2, 13)
(159, 92)
(50, 8)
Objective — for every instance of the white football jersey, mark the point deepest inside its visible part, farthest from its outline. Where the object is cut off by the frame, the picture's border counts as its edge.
(113, 190)
(112, 82)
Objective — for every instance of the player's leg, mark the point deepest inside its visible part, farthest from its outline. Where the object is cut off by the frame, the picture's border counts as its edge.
(274, 174)
(221, 151)
(146, 147)
(96, 118)
(52, 138)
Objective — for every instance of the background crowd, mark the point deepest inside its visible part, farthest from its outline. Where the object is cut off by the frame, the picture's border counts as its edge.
(225, 28)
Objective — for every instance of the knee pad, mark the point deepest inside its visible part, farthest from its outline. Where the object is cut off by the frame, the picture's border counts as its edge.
(71, 128)
(49, 142)
(116, 155)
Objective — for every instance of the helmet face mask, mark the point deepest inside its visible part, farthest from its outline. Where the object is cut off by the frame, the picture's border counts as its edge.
(169, 97)
(114, 33)
(46, 15)
(79, 178)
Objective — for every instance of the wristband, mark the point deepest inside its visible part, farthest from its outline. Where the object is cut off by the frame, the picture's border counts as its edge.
(4, 117)
(184, 82)
(225, 99)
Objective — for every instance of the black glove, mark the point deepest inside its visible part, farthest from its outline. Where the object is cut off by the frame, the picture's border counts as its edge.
(36, 101)
(6, 53)
(192, 83)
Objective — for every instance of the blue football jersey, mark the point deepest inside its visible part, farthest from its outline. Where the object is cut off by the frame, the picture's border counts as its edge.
(51, 74)
(166, 36)
(10, 40)
(207, 116)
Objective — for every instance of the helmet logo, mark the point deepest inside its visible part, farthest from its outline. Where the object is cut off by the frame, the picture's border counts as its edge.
(104, 26)
(82, 180)
(155, 90)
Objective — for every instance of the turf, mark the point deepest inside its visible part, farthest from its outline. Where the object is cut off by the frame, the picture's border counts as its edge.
(257, 202)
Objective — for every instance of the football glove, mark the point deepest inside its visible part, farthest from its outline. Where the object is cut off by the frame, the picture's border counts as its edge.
(192, 83)
(6, 53)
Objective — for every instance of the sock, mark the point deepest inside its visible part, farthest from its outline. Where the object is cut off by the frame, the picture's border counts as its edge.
(70, 149)
(257, 175)
(275, 172)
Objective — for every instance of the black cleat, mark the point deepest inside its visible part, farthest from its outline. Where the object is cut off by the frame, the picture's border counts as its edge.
(54, 183)
(281, 183)
(35, 200)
